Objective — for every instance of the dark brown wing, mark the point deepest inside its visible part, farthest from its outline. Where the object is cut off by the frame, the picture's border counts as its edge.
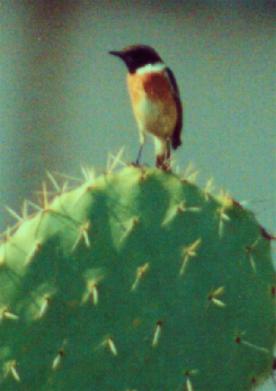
(176, 139)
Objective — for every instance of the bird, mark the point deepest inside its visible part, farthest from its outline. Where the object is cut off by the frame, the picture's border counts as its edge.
(155, 100)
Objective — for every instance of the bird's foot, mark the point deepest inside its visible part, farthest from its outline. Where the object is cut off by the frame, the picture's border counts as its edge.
(163, 163)
(138, 164)
(135, 164)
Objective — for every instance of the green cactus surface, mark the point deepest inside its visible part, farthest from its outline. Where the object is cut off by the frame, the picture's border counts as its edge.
(136, 280)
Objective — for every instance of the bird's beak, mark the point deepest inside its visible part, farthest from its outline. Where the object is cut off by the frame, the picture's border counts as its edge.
(116, 53)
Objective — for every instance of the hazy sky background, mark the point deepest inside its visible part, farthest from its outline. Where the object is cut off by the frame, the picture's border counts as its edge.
(63, 99)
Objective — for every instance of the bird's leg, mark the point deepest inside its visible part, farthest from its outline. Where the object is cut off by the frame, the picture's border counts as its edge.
(168, 150)
(142, 142)
(137, 161)
(159, 161)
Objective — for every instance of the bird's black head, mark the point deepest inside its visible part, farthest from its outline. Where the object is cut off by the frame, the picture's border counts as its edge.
(136, 56)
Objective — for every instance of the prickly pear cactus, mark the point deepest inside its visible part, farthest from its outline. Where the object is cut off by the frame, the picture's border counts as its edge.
(136, 281)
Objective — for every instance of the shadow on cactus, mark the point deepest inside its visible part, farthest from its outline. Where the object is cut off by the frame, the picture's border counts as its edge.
(136, 280)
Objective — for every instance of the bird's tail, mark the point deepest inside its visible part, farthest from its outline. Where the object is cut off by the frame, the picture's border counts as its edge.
(176, 141)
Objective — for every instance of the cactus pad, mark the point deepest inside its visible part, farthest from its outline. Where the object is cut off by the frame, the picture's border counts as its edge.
(136, 281)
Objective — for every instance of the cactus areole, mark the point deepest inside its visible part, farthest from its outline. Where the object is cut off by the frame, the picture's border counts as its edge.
(136, 281)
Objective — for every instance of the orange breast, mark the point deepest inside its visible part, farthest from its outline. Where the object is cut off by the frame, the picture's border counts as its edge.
(153, 103)
(155, 85)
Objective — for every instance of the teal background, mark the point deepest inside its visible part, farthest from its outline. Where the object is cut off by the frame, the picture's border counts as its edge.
(63, 99)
